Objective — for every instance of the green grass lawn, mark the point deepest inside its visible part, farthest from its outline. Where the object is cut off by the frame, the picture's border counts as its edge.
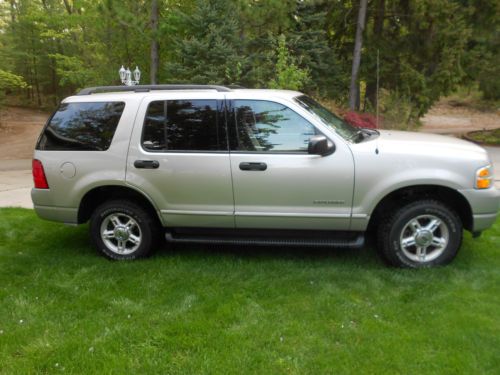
(220, 310)
(491, 137)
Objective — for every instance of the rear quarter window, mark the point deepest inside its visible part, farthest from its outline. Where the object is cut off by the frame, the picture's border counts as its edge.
(81, 127)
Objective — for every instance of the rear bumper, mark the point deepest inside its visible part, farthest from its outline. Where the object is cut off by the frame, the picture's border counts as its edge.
(485, 205)
(45, 207)
(61, 214)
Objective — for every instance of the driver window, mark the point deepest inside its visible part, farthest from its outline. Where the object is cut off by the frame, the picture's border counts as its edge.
(264, 126)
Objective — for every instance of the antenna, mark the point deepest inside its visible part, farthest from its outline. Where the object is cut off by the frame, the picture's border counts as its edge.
(378, 78)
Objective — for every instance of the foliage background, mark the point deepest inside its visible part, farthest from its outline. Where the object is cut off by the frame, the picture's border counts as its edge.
(427, 47)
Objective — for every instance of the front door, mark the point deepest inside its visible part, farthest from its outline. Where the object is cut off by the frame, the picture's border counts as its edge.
(276, 183)
(179, 158)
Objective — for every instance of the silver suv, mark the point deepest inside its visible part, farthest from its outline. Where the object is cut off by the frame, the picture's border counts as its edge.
(211, 164)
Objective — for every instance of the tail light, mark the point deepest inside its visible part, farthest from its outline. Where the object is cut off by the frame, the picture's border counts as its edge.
(39, 175)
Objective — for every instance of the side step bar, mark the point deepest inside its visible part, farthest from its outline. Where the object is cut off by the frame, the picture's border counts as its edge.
(354, 243)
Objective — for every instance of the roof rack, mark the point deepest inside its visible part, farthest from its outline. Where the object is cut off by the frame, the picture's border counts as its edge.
(147, 88)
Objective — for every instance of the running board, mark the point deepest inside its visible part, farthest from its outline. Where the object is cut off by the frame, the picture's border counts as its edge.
(354, 243)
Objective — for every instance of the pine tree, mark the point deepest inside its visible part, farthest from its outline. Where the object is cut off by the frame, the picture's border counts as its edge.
(211, 51)
(309, 43)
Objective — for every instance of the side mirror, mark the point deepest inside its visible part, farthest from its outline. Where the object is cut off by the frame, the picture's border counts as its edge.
(320, 145)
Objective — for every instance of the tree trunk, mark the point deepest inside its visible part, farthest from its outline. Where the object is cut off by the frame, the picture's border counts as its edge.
(378, 28)
(35, 70)
(53, 79)
(358, 43)
(154, 43)
(37, 84)
(13, 7)
(68, 7)
(29, 89)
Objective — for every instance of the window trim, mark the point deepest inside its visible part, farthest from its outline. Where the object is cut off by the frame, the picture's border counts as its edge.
(42, 133)
(232, 127)
(220, 109)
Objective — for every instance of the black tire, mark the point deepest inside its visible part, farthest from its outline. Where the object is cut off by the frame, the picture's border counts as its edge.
(143, 226)
(403, 226)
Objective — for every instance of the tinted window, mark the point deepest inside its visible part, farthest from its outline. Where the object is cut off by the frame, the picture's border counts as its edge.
(183, 125)
(269, 126)
(82, 126)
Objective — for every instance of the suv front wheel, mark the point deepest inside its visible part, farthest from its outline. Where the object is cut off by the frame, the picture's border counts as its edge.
(424, 233)
(123, 230)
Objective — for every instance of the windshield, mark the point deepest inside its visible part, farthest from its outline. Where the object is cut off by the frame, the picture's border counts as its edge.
(328, 118)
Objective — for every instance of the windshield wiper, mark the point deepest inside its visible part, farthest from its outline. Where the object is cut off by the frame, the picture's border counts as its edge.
(356, 135)
(364, 133)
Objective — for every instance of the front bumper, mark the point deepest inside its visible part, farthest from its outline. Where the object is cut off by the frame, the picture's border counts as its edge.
(485, 205)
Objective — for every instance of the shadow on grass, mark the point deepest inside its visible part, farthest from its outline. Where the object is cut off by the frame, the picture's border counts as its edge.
(265, 253)
(71, 241)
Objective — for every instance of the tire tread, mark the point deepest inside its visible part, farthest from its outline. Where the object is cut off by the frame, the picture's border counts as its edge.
(131, 208)
(390, 219)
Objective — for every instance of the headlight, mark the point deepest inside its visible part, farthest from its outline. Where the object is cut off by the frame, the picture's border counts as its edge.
(484, 177)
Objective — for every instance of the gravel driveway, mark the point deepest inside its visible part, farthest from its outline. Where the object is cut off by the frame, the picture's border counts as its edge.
(15, 183)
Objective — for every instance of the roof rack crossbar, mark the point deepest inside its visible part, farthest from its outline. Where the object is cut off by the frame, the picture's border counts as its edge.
(146, 88)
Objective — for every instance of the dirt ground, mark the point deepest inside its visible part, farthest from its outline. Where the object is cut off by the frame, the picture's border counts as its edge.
(19, 130)
(447, 118)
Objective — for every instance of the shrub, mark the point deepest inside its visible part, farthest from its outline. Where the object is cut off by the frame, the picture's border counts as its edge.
(361, 120)
(398, 111)
(288, 75)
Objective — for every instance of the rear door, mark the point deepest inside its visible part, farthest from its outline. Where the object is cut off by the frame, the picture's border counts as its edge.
(179, 157)
(277, 184)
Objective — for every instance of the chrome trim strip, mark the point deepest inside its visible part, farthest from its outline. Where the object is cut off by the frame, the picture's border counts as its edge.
(257, 214)
(187, 212)
(292, 214)
(360, 216)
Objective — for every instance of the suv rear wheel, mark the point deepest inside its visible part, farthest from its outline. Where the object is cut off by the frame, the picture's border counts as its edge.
(123, 230)
(424, 233)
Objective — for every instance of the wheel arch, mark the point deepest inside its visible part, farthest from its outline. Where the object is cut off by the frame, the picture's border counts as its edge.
(449, 196)
(98, 195)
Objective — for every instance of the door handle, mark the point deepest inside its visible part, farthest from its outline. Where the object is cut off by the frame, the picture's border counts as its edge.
(147, 164)
(248, 166)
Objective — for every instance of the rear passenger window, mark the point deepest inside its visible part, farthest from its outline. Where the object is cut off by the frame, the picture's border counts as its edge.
(183, 125)
(82, 127)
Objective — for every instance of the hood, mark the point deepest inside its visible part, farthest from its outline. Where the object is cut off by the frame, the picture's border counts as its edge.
(425, 143)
